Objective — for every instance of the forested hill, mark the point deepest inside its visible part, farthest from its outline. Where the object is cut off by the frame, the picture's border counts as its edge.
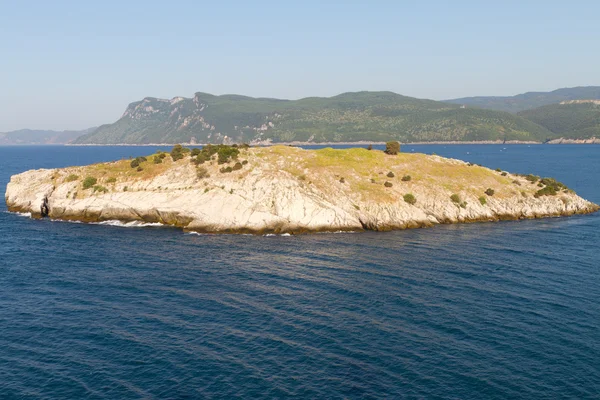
(349, 117)
(571, 120)
(529, 100)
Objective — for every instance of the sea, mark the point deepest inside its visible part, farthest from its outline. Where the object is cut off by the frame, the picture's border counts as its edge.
(506, 310)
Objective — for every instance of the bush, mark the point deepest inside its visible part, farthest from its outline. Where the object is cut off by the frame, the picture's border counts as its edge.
(200, 159)
(100, 188)
(532, 178)
(137, 161)
(504, 174)
(370, 147)
(72, 178)
(406, 178)
(410, 199)
(498, 170)
(89, 182)
(202, 173)
(552, 187)
(516, 182)
(392, 148)
(195, 152)
(390, 174)
(177, 152)
(139, 169)
(455, 198)
(162, 155)
(226, 170)
(388, 184)
(342, 180)
(483, 201)
(227, 153)
(126, 188)
(547, 191)
(158, 160)
(489, 192)
(237, 166)
(111, 180)
(244, 162)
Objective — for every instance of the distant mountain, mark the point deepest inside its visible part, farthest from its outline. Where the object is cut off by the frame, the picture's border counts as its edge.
(575, 119)
(29, 136)
(530, 100)
(348, 117)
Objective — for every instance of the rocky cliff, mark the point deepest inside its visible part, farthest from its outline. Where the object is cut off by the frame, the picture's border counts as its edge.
(284, 189)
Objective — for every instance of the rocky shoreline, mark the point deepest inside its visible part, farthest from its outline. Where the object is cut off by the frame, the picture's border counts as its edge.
(289, 190)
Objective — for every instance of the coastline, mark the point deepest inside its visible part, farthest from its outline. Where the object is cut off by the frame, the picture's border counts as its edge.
(360, 143)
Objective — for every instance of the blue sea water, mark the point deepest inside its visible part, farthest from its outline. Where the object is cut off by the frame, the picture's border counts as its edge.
(507, 310)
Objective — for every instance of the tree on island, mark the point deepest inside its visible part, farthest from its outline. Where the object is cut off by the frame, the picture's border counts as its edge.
(392, 148)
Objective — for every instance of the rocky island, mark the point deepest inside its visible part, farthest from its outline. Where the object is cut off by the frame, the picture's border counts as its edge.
(282, 189)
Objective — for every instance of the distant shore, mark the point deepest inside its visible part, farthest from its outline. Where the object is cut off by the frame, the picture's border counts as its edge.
(315, 144)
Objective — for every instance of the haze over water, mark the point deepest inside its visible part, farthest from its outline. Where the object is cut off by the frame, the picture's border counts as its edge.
(492, 310)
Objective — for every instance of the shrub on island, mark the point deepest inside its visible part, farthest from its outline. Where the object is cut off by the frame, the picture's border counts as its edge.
(392, 148)
(410, 199)
(406, 178)
(72, 178)
(89, 182)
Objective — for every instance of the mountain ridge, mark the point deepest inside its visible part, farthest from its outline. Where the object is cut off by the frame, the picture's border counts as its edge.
(347, 117)
(529, 100)
(41, 136)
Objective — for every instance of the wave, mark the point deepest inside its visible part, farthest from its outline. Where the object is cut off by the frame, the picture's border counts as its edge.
(132, 224)
(19, 214)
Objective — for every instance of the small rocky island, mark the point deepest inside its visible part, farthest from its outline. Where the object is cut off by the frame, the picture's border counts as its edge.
(282, 189)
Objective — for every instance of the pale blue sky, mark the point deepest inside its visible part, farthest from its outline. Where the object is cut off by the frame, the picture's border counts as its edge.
(74, 64)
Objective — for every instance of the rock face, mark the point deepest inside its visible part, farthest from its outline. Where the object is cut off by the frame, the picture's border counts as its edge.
(283, 189)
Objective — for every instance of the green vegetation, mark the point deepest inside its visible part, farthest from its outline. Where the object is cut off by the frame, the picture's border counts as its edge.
(177, 152)
(226, 154)
(483, 201)
(571, 121)
(390, 174)
(455, 198)
(392, 148)
(202, 172)
(373, 116)
(89, 182)
(406, 178)
(410, 199)
(100, 188)
(135, 163)
(112, 179)
(388, 184)
(490, 192)
(158, 160)
(532, 178)
(531, 100)
(71, 178)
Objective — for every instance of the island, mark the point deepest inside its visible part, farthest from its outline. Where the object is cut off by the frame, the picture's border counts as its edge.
(284, 189)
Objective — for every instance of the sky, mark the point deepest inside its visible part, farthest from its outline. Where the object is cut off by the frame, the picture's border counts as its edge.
(77, 64)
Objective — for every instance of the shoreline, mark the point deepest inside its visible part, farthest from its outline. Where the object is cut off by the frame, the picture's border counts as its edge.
(361, 143)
